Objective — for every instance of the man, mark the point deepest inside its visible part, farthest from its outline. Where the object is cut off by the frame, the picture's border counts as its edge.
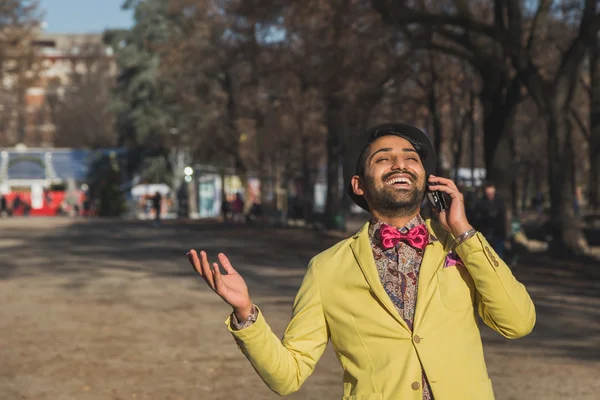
(156, 205)
(3, 205)
(491, 218)
(397, 299)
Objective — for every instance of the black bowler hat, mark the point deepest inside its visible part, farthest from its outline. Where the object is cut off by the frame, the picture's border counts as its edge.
(406, 131)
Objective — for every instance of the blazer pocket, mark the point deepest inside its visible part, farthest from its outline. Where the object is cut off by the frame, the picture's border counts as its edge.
(482, 390)
(456, 288)
(370, 396)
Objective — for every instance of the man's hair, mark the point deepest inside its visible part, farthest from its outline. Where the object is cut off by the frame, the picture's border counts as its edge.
(489, 184)
(362, 160)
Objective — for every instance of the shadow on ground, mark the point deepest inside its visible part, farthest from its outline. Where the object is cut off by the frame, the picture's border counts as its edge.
(100, 246)
(566, 293)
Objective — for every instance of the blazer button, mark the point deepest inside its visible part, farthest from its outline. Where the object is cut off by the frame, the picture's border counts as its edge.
(415, 386)
(417, 339)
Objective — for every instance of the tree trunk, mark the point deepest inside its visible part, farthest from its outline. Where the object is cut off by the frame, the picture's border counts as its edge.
(458, 152)
(436, 123)
(497, 129)
(525, 195)
(308, 186)
(459, 130)
(334, 116)
(516, 177)
(594, 145)
(262, 155)
(223, 195)
(565, 226)
(594, 175)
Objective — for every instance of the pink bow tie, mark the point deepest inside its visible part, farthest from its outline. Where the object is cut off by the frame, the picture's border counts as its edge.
(416, 237)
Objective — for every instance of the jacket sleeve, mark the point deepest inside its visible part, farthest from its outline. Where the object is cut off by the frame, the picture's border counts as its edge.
(285, 364)
(502, 301)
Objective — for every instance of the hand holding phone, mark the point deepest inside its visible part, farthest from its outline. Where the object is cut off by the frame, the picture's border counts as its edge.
(449, 199)
(439, 200)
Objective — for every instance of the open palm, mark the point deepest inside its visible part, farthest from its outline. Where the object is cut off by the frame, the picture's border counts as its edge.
(230, 287)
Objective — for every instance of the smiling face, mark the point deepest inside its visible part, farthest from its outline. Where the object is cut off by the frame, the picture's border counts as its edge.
(393, 182)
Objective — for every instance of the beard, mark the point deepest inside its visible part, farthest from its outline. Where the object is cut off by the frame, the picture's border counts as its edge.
(394, 202)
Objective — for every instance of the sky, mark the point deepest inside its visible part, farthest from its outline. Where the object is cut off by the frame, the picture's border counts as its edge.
(84, 16)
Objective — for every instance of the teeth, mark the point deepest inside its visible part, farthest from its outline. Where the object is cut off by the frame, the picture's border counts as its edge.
(399, 180)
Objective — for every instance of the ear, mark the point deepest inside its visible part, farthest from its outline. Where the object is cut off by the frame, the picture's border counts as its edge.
(357, 186)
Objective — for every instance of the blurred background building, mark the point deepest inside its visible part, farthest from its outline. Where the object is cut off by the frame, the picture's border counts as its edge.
(38, 74)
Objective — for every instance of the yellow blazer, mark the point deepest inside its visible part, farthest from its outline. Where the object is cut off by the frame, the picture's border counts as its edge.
(341, 299)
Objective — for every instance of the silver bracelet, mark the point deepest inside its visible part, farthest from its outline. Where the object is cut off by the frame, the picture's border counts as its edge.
(464, 236)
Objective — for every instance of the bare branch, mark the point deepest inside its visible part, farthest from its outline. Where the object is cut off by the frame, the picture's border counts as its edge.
(590, 24)
(499, 13)
(398, 14)
(585, 85)
(540, 19)
(584, 129)
(515, 19)
(462, 6)
(464, 50)
(398, 67)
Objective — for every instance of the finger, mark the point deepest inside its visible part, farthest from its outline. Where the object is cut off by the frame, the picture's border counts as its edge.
(217, 277)
(195, 261)
(206, 270)
(226, 264)
(443, 181)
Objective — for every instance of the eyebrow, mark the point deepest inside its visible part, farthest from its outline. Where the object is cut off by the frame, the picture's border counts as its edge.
(388, 149)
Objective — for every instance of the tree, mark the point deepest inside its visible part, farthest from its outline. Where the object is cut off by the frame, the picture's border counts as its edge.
(320, 39)
(142, 121)
(81, 115)
(594, 123)
(515, 31)
(18, 68)
(500, 91)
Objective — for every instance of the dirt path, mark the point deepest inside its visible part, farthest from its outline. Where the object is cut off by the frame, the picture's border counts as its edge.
(111, 310)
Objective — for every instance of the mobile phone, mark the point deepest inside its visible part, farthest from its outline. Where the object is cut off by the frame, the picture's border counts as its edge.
(438, 199)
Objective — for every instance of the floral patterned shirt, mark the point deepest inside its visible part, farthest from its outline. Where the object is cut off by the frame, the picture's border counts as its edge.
(398, 269)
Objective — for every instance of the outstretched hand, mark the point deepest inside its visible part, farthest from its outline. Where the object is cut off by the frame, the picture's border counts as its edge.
(231, 287)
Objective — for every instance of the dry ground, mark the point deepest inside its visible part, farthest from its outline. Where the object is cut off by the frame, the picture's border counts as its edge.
(111, 310)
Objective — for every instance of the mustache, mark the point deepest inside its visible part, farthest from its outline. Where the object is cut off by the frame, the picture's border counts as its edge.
(409, 173)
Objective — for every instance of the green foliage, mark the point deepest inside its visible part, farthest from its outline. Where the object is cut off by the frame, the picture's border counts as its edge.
(143, 98)
(156, 169)
(105, 179)
(142, 118)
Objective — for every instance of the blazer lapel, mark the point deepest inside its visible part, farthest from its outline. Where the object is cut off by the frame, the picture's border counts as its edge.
(433, 260)
(361, 247)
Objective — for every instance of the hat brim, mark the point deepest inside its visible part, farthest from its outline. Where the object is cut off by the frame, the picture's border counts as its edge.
(397, 129)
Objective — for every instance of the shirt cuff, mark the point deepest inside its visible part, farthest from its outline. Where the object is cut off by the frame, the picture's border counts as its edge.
(237, 325)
